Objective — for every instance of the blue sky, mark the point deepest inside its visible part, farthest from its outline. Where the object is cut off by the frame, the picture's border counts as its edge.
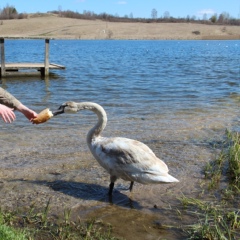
(138, 8)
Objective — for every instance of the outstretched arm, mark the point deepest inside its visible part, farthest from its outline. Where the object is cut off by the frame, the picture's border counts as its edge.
(11, 103)
(29, 114)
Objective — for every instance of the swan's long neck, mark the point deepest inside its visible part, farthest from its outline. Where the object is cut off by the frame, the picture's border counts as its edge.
(102, 119)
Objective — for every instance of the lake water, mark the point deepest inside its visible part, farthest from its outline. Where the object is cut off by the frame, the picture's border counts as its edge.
(178, 97)
(137, 77)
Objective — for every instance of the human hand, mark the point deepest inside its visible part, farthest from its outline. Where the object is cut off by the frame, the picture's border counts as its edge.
(7, 114)
(28, 113)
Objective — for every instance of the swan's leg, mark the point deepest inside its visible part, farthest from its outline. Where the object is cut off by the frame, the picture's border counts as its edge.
(131, 186)
(111, 185)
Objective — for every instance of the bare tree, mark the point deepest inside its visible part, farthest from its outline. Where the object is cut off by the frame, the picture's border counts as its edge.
(60, 10)
(8, 12)
(204, 17)
(166, 15)
(223, 17)
(154, 13)
(109, 34)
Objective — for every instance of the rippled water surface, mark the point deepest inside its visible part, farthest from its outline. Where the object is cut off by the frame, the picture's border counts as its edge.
(178, 97)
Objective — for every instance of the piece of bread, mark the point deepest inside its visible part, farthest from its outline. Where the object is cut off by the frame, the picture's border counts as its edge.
(43, 116)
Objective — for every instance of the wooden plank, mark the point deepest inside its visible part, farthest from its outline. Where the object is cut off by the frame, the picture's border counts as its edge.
(13, 69)
(21, 74)
(2, 57)
(46, 63)
(57, 66)
(31, 65)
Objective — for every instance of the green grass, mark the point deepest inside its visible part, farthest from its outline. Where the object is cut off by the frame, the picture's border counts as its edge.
(234, 161)
(216, 215)
(227, 166)
(215, 220)
(9, 233)
(39, 225)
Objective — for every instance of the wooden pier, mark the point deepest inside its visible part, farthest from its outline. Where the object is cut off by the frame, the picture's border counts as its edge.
(26, 69)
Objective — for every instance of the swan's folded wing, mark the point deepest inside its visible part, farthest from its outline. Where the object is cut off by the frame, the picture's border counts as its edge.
(128, 156)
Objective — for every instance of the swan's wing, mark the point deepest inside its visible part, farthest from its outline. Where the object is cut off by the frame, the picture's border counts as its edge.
(123, 156)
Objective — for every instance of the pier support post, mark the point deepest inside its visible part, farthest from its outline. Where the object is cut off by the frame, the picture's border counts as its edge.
(3, 70)
(46, 63)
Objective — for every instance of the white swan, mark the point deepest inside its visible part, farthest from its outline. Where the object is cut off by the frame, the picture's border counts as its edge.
(123, 158)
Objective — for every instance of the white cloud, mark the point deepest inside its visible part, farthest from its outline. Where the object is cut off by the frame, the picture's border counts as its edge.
(206, 11)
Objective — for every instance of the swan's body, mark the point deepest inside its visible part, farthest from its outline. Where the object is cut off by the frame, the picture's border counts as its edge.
(123, 158)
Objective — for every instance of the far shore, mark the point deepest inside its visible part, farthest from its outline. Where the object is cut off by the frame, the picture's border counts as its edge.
(52, 26)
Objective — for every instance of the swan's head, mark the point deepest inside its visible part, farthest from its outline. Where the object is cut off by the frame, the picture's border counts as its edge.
(67, 107)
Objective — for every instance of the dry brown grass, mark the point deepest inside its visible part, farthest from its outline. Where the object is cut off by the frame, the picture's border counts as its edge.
(52, 26)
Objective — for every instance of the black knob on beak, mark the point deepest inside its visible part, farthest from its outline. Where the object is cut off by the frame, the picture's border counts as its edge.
(60, 110)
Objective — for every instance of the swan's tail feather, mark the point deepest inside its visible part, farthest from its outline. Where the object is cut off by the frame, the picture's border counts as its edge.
(151, 179)
(165, 179)
(171, 179)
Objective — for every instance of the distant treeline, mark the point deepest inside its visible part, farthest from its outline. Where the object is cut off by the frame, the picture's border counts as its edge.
(223, 18)
(10, 12)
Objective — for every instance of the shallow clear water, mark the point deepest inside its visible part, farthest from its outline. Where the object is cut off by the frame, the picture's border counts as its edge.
(178, 97)
(136, 77)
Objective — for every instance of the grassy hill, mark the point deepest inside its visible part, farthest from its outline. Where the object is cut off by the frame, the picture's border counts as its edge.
(53, 26)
